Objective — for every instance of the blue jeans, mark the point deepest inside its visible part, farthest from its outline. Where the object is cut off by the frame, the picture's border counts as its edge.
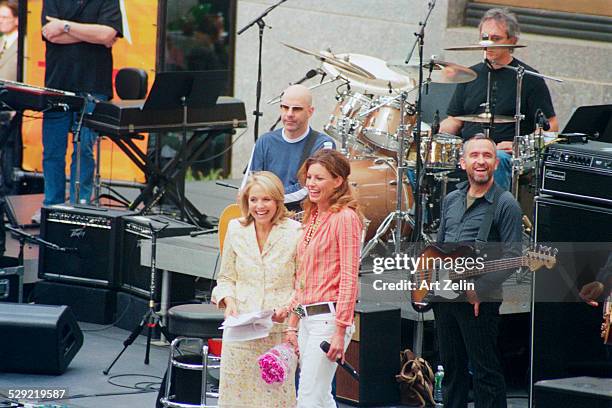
(503, 174)
(56, 126)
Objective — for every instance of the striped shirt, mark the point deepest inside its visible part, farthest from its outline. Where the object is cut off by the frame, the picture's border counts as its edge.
(329, 264)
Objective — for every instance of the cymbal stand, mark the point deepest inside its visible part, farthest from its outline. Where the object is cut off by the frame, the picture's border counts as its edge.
(517, 164)
(489, 127)
(386, 223)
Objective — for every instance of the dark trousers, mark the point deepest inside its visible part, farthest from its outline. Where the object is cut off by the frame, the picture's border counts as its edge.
(464, 338)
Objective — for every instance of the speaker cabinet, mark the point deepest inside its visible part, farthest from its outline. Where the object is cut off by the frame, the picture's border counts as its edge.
(566, 333)
(89, 304)
(135, 278)
(374, 352)
(88, 238)
(38, 339)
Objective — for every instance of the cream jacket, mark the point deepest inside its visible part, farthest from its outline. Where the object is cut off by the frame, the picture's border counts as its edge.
(258, 281)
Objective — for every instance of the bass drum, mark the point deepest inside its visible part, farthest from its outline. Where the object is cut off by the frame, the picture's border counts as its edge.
(374, 183)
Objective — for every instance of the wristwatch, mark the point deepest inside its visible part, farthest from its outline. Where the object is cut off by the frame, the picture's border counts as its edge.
(66, 28)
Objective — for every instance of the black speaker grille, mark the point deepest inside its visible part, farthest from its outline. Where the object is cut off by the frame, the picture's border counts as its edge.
(89, 237)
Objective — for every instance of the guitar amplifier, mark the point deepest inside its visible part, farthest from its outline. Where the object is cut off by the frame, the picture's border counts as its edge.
(579, 172)
(374, 352)
(89, 237)
(135, 278)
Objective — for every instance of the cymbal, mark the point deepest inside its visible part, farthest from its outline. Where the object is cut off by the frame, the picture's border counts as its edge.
(485, 118)
(483, 46)
(383, 82)
(329, 58)
(442, 72)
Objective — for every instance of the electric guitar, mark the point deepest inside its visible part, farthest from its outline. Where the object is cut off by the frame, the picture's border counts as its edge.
(606, 326)
(434, 278)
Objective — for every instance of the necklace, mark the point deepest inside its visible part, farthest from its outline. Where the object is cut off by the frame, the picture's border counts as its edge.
(314, 224)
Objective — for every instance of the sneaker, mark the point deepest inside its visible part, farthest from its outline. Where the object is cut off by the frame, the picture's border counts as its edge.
(36, 217)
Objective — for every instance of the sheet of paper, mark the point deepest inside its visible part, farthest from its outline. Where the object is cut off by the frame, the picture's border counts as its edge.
(247, 326)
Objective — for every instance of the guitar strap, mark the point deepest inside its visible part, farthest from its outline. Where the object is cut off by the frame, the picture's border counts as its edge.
(487, 222)
(310, 140)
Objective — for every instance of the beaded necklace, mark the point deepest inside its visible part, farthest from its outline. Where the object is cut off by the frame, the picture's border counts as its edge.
(314, 224)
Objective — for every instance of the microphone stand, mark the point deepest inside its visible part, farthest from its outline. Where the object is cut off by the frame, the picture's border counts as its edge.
(418, 216)
(77, 140)
(150, 319)
(261, 23)
(25, 237)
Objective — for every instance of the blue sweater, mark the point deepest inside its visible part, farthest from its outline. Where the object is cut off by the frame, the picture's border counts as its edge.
(273, 153)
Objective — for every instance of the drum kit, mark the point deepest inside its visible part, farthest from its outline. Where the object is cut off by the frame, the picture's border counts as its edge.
(374, 124)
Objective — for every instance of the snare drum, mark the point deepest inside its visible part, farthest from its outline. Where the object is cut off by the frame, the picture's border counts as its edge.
(374, 181)
(441, 153)
(344, 119)
(380, 126)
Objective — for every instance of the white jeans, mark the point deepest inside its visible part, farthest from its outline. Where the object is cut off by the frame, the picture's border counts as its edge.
(316, 371)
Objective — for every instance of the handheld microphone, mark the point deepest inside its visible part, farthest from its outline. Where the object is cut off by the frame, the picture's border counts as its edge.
(541, 120)
(349, 368)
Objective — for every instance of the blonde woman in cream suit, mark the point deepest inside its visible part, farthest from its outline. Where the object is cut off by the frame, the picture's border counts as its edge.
(257, 273)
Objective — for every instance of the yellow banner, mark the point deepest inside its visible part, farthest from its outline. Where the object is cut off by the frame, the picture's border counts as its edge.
(137, 49)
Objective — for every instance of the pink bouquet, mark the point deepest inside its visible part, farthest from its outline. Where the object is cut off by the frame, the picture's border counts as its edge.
(277, 363)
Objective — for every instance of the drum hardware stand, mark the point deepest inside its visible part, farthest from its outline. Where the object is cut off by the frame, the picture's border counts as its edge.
(520, 73)
(151, 318)
(489, 127)
(400, 215)
(262, 25)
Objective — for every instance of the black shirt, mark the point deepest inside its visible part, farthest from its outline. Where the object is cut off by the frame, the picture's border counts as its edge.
(81, 67)
(469, 96)
(461, 225)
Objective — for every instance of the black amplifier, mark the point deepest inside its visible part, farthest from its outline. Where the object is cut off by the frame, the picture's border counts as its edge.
(580, 172)
(135, 278)
(89, 237)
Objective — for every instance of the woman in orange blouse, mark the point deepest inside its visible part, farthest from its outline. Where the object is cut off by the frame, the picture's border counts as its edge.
(327, 276)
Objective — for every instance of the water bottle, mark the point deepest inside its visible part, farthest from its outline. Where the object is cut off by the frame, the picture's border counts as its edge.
(438, 386)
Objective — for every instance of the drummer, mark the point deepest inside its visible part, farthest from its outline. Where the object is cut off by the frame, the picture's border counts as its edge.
(501, 27)
(283, 151)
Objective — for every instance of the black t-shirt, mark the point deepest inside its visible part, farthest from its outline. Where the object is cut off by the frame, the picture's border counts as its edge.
(81, 67)
(469, 96)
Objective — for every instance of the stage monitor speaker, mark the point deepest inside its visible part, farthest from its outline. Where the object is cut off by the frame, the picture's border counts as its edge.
(566, 332)
(135, 278)
(578, 392)
(38, 339)
(374, 352)
(90, 237)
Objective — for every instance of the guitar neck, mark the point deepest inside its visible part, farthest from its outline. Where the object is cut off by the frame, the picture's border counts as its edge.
(491, 266)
